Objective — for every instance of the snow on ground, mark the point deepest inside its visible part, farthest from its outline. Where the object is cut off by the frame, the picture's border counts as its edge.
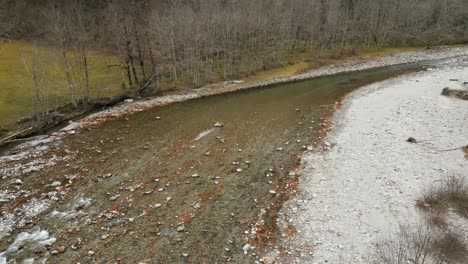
(365, 186)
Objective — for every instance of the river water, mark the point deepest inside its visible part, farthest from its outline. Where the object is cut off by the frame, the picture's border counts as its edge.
(180, 190)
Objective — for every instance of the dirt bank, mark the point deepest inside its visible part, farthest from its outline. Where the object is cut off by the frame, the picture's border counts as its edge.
(364, 186)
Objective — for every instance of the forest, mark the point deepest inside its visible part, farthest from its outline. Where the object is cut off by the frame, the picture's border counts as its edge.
(190, 43)
(234, 131)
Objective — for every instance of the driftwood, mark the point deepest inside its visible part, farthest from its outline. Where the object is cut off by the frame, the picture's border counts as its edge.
(17, 134)
(18, 140)
(460, 94)
(56, 117)
(35, 127)
(147, 88)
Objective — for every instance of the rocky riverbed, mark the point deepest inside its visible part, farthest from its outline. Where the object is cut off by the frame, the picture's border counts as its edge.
(196, 181)
(363, 186)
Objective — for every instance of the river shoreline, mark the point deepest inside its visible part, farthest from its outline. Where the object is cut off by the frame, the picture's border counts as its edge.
(234, 86)
(85, 147)
(363, 186)
(131, 106)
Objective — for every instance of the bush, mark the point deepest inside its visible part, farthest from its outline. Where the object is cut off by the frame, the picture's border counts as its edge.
(423, 244)
(451, 192)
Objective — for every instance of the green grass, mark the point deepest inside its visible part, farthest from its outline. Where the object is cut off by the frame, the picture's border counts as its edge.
(300, 63)
(16, 85)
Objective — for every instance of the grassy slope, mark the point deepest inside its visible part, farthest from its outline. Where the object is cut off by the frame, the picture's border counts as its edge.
(300, 65)
(16, 89)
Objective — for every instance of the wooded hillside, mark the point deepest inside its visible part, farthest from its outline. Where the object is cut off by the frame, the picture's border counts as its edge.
(194, 42)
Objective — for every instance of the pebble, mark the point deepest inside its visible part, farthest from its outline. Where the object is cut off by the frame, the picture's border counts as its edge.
(267, 260)
(56, 183)
(181, 228)
(61, 249)
(246, 248)
(106, 176)
(115, 197)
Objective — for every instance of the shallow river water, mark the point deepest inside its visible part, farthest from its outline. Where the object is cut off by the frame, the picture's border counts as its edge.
(166, 186)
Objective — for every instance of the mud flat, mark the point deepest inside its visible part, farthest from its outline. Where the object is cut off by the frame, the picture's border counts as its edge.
(363, 185)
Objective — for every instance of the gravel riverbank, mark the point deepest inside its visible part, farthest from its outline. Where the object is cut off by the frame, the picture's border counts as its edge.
(363, 187)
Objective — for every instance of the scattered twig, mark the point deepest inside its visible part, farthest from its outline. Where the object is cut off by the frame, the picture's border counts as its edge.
(447, 150)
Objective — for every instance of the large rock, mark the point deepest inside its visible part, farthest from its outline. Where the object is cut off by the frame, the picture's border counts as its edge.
(461, 94)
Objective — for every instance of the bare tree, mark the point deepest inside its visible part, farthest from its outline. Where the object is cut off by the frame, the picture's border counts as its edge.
(82, 35)
(192, 42)
(6, 22)
(34, 70)
(59, 29)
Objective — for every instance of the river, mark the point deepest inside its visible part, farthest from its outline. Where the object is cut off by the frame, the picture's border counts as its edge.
(167, 186)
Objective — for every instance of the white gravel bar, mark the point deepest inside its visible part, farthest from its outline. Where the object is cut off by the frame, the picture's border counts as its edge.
(366, 185)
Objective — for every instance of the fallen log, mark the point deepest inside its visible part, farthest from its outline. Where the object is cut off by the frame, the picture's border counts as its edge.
(18, 140)
(15, 135)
